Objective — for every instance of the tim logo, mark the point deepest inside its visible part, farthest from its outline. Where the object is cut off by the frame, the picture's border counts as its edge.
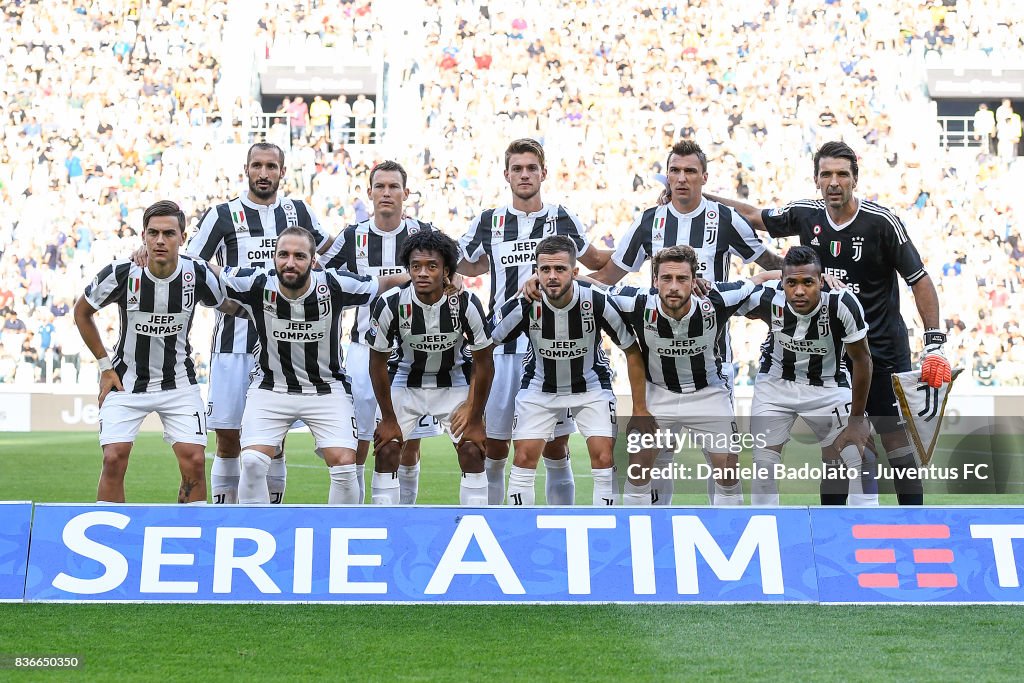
(928, 561)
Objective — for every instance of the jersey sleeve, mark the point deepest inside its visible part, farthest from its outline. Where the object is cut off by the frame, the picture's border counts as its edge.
(209, 291)
(759, 304)
(341, 254)
(472, 243)
(108, 284)
(243, 285)
(851, 314)
(625, 297)
(782, 222)
(510, 320)
(383, 330)
(207, 240)
(474, 323)
(901, 252)
(728, 297)
(578, 233)
(357, 290)
(741, 239)
(614, 324)
(631, 252)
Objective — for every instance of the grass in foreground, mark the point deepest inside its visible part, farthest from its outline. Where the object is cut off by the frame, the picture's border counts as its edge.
(462, 643)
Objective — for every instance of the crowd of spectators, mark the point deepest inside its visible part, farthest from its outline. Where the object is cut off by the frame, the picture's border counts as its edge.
(103, 111)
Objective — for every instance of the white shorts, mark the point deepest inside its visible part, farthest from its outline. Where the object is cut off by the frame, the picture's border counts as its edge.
(411, 404)
(229, 377)
(537, 413)
(708, 411)
(269, 414)
(778, 402)
(180, 410)
(499, 413)
(357, 365)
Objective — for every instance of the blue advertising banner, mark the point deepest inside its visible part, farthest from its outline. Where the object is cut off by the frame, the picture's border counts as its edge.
(433, 554)
(944, 554)
(15, 523)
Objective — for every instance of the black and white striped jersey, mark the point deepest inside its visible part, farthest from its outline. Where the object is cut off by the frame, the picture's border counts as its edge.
(681, 355)
(431, 345)
(807, 349)
(366, 250)
(508, 238)
(242, 234)
(564, 354)
(865, 253)
(153, 351)
(714, 231)
(298, 347)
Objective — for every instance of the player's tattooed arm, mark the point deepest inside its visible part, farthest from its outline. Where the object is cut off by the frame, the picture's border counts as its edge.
(86, 323)
(751, 214)
(769, 260)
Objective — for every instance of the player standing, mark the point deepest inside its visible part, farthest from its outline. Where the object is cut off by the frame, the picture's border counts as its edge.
(803, 374)
(372, 247)
(431, 369)
(566, 369)
(300, 373)
(242, 233)
(865, 245)
(152, 368)
(502, 241)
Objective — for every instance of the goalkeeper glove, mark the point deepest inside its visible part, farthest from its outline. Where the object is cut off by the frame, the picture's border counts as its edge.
(935, 370)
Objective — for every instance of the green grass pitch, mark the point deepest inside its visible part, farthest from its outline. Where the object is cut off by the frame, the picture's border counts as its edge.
(468, 643)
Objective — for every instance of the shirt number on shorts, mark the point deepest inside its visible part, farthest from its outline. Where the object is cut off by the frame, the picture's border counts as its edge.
(611, 412)
(199, 421)
(841, 415)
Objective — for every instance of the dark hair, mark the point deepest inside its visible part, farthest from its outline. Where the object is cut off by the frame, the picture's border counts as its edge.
(801, 256)
(556, 244)
(265, 147)
(836, 150)
(681, 253)
(685, 148)
(164, 207)
(301, 232)
(389, 166)
(524, 146)
(435, 241)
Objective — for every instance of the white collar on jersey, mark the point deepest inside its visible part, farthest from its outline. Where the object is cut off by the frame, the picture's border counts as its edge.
(154, 278)
(692, 214)
(533, 214)
(836, 226)
(416, 300)
(385, 233)
(814, 311)
(244, 197)
(572, 302)
(694, 305)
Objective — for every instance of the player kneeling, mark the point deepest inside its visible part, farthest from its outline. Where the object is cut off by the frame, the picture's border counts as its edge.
(430, 371)
(566, 369)
(803, 374)
(152, 368)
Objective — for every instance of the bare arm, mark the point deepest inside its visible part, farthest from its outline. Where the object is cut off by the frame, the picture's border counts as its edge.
(769, 260)
(388, 430)
(858, 430)
(927, 300)
(84, 319)
(468, 419)
(386, 282)
(637, 379)
(609, 274)
(596, 258)
(750, 213)
(469, 269)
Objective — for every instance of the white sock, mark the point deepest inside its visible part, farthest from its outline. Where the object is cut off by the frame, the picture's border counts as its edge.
(728, 495)
(361, 480)
(344, 489)
(636, 495)
(224, 480)
(559, 486)
(197, 502)
(520, 486)
(495, 470)
(384, 488)
(409, 483)
(851, 461)
(252, 482)
(661, 489)
(764, 490)
(710, 481)
(473, 489)
(604, 486)
(277, 479)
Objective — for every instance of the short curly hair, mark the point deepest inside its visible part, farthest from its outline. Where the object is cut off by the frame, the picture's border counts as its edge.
(435, 241)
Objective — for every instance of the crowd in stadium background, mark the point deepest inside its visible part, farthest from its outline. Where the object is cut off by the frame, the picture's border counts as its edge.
(101, 115)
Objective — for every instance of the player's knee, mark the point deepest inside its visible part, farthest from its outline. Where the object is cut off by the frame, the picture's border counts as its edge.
(471, 458)
(556, 449)
(497, 449)
(115, 459)
(386, 458)
(767, 458)
(252, 465)
(193, 460)
(228, 443)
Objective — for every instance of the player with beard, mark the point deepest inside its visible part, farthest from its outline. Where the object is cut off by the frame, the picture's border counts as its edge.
(501, 242)
(431, 356)
(243, 233)
(300, 372)
(566, 369)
